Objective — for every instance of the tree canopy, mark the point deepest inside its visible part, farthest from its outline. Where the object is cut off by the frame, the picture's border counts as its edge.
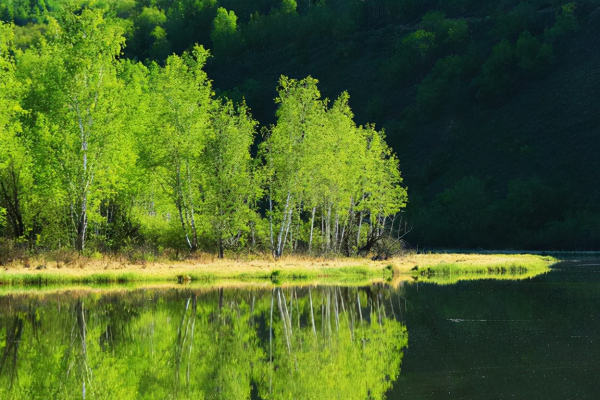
(101, 152)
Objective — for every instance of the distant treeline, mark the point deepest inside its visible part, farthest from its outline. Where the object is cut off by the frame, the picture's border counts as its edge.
(101, 154)
(435, 46)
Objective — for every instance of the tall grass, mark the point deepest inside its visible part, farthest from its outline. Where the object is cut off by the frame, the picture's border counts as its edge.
(343, 274)
(447, 273)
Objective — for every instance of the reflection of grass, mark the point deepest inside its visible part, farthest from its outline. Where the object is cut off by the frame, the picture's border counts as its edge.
(505, 267)
(277, 275)
(45, 279)
(195, 286)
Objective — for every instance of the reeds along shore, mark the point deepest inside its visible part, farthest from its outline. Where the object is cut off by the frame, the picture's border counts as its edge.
(440, 268)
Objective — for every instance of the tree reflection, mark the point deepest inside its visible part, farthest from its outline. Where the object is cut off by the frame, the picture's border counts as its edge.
(338, 354)
(318, 343)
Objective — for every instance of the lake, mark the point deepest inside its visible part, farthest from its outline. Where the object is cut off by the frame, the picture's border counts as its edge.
(528, 339)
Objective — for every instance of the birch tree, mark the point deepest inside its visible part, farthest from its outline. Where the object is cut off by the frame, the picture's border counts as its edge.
(319, 162)
(15, 163)
(182, 106)
(300, 115)
(83, 131)
(382, 193)
(227, 188)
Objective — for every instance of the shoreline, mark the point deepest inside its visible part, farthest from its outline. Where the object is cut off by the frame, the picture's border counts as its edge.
(441, 267)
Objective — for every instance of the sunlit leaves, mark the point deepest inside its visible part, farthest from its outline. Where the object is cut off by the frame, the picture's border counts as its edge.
(317, 158)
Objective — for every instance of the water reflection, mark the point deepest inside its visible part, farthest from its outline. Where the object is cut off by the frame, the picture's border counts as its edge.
(318, 343)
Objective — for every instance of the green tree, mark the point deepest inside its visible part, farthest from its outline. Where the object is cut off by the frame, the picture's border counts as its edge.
(418, 47)
(566, 22)
(15, 163)
(300, 115)
(182, 105)
(317, 159)
(79, 130)
(496, 81)
(225, 35)
(228, 190)
(442, 88)
(452, 34)
(524, 17)
(533, 55)
(288, 6)
(383, 195)
(150, 37)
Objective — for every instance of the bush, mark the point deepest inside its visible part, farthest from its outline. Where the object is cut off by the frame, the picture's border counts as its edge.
(451, 35)
(533, 55)
(524, 17)
(442, 88)
(566, 22)
(496, 80)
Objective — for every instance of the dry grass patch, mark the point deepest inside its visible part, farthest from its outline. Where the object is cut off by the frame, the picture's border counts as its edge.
(38, 271)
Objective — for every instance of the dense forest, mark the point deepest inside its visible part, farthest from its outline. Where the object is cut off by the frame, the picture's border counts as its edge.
(490, 105)
(100, 153)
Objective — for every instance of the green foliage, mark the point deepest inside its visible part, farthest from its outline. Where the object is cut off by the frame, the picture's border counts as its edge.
(15, 161)
(225, 36)
(530, 215)
(412, 55)
(442, 88)
(75, 87)
(150, 37)
(533, 55)
(288, 6)
(228, 190)
(2, 218)
(500, 74)
(566, 22)
(422, 64)
(452, 35)
(419, 44)
(460, 210)
(180, 100)
(496, 81)
(107, 154)
(524, 17)
(29, 35)
(317, 159)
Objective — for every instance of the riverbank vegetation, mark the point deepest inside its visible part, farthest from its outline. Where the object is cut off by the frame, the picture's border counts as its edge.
(285, 270)
(451, 268)
(107, 155)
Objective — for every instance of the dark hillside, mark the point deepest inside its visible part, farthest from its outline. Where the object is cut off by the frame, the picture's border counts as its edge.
(549, 129)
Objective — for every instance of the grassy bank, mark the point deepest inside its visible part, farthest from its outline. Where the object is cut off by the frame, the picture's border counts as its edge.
(451, 268)
(92, 272)
(441, 268)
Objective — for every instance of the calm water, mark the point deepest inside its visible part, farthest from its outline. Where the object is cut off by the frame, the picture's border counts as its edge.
(534, 339)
